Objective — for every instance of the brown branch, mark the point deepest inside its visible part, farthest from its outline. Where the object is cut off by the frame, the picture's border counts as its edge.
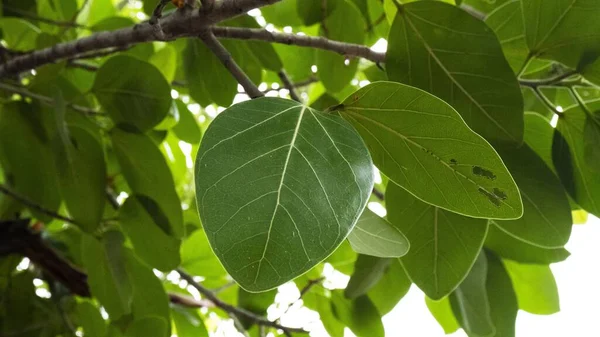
(287, 83)
(24, 92)
(232, 310)
(189, 302)
(548, 81)
(178, 24)
(347, 49)
(225, 57)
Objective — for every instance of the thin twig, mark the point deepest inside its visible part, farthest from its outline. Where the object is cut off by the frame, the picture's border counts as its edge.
(232, 309)
(303, 291)
(4, 189)
(547, 81)
(30, 16)
(225, 57)
(48, 100)
(545, 100)
(189, 302)
(378, 194)
(376, 23)
(287, 83)
(346, 49)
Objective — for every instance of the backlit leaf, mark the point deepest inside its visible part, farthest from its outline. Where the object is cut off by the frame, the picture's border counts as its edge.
(501, 297)
(375, 236)
(422, 144)
(442, 49)
(368, 270)
(535, 287)
(360, 315)
(390, 289)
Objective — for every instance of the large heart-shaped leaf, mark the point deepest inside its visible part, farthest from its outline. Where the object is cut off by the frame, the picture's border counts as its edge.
(444, 245)
(423, 145)
(375, 236)
(455, 56)
(279, 186)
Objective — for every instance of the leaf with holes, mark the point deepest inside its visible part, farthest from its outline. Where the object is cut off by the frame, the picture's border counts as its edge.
(423, 145)
(375, 236)
(279, 186)
(455, 56)
(444, 245)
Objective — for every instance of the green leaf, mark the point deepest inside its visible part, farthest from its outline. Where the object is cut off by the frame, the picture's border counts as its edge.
(147, 174)
(360, 315)
(509, 247)
(507, 22)
(591, 140)
(368, 270)
(81, 171)
(257, 303)
(147, 326)
(107, 274)
(297, 61)
(296, 182)
(206, 76)
(444, 244)
(422, 144)
(165, 60)
(455, 56)
(501, 297)
(343, 259)
(442, 312)
(99, 10)
(149, 296)
(140, 96)
(546, 220)
(390, 289)
(375, 236)
(315, 11)
(148, 228)
(538, 136)
(332, 70)
(535, 288)
(90, 319)
(19, 34)
(197, 257)
(568, 154)
(28, 163)
(554, 30)
(282, 14)
(470, 302)
(323, 305)
(188, 323)
(187, 129)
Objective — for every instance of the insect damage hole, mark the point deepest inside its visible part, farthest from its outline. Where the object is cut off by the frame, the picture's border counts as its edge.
(479, 171)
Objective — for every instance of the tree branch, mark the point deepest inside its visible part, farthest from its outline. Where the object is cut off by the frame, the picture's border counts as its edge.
(232, 309)
(287, 83)
(179, 24)
(347, 49)
(47, 100)
(225, 57)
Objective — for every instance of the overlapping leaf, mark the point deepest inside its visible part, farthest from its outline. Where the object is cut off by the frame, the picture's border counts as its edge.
(375, 236)
(446, 51)
(422, 144)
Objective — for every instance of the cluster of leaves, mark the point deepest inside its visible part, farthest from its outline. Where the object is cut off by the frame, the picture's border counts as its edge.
(480, 189)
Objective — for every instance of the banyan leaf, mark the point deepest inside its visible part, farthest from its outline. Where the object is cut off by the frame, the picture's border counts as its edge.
(375, 236)
(279, 186)
(511, 248)
(444, 245)
(187, 129)
(359, 314)
(282, 14)
(81, 170)
(147, 228)
(314, 11)
(442, 312)
(501, 297)
(442, 49)
(390, 289)
(332, 68)
(546, 220)
(198, 259)
(581, 181)
(28, 163)
(591, 139)
(535, 287)
(507, 22)
(109, 282)
(90, 319)
(423, 145)
(147, 326)
(139, 96)
(257, 303)
(147, 174)
(19, 34)
(368, 270)
(538, 136)
(188, 323)
(470, 302)
(554, 30)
